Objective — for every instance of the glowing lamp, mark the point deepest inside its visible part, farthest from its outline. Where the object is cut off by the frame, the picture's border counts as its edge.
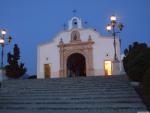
(108, 27)
(3, 32)
(2, 41)
(113, 18)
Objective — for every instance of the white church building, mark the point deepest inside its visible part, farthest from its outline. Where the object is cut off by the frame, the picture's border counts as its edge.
(78, 51)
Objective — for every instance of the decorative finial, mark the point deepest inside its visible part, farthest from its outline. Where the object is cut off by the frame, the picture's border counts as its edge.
(89, 39)
(86, 22)
(61, 41)
(64, 26)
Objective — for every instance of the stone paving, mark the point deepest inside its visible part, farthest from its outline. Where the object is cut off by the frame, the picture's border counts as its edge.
(70, 95)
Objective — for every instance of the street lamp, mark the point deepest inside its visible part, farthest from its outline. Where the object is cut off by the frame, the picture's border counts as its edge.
(4, 41)
(114, 28)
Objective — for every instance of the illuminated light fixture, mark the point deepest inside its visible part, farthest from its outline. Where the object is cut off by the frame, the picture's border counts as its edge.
(108, 27)
(3, 32)
(2, 41)
(114, 28)
(113, 18)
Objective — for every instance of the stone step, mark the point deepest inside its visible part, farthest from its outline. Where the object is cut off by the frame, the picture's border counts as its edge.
(68, 88)
(62, 82)
(74, 80)
(68, 91)
(71, 87)
(71, 80)
(70, 105)
(65, 82)
(68, 96)
(94, 110)
(71, 100)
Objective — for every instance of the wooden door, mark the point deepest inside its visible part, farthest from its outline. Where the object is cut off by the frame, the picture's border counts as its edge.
(47, 71)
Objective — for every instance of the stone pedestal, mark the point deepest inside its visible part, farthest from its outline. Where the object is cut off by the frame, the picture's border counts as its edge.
(2, 74)
(116, 67)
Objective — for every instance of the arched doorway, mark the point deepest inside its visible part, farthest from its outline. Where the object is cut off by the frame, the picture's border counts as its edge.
(76, 65)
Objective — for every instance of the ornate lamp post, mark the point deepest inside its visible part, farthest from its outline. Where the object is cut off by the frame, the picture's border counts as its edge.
(4, 41)
(114, 28)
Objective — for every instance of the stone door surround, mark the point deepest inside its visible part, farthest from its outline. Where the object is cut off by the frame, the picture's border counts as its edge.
(84, 48)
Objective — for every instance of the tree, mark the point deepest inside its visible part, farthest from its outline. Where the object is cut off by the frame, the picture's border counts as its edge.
(146, 80)
(136, 60)
(14, 69)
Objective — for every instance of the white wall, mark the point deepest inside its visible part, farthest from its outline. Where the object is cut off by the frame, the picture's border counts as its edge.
(48, 54)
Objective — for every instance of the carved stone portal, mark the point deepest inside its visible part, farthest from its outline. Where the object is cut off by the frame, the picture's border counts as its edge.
(83, 48)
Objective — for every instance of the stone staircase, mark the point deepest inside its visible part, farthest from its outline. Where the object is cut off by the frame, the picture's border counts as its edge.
(70, 95)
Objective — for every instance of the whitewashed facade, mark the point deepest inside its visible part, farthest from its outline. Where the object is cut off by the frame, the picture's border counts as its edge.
(97, 51)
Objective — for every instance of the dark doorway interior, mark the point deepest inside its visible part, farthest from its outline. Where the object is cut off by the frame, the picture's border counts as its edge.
(76, 65)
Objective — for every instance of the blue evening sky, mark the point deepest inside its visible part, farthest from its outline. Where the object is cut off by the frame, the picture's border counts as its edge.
(32, 22)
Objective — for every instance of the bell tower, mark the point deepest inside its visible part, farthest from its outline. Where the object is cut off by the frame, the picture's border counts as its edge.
(75, 23)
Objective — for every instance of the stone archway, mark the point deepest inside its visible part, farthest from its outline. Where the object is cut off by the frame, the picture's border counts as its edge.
(76, 65)
(83, 48)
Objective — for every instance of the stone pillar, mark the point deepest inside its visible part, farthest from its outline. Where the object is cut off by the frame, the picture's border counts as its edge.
(90, 61)
(116, 67)
(61, 51)
(90, 57)
(61, 71)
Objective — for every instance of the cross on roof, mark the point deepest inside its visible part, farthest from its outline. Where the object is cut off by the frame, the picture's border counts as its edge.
(64, 26)
(74, 12)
